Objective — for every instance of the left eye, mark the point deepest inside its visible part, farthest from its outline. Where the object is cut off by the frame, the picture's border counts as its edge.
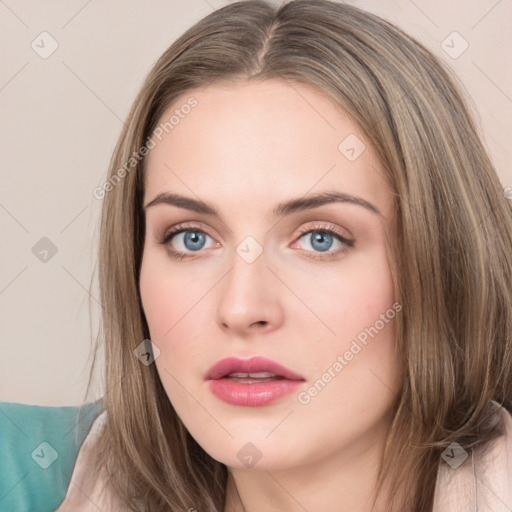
(322, 240)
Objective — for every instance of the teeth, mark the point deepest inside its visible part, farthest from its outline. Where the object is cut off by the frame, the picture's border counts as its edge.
(258, 375)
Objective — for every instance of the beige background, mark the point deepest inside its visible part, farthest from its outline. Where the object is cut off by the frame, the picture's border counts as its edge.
(61, 116)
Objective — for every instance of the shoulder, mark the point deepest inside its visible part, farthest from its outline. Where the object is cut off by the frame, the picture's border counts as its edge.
(87, 490)
(484, 479)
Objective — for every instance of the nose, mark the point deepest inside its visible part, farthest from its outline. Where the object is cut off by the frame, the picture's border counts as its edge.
(249, 298)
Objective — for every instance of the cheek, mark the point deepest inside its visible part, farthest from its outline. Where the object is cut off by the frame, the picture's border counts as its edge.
(168, 295)
(356, 369)
(177, 312)
(347, 298)
(370, 294)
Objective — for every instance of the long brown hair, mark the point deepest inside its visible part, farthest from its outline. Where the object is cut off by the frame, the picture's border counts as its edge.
(451, 263)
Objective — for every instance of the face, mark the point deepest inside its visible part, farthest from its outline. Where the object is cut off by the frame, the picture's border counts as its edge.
(307, 285)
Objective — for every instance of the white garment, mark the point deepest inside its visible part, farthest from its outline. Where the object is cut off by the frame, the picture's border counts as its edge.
(482, 483)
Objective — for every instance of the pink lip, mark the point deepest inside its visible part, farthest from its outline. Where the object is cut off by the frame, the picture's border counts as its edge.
(251, 394)
(251, 365)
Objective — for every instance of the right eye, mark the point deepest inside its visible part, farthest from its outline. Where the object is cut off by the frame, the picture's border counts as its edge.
(189, 238)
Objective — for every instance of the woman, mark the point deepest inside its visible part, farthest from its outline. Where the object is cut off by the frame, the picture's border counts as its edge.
(300, 216)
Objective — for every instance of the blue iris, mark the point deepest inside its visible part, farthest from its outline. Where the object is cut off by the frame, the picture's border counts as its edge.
(318, 241)
(194, 236)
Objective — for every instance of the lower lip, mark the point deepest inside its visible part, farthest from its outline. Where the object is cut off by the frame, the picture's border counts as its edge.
(253, 394)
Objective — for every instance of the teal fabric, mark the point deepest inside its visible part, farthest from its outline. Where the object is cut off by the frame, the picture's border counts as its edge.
(38, 449)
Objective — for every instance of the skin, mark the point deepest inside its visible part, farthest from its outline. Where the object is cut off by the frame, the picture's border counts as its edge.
(244, 148)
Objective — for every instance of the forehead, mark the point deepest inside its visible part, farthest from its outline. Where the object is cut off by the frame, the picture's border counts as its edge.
(256, 142)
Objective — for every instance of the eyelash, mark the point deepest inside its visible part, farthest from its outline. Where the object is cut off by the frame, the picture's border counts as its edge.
(325, 228)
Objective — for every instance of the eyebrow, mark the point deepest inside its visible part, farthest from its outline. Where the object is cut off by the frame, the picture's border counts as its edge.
(285, 208)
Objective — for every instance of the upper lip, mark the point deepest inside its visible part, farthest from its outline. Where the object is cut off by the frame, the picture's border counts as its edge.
(252, 365)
